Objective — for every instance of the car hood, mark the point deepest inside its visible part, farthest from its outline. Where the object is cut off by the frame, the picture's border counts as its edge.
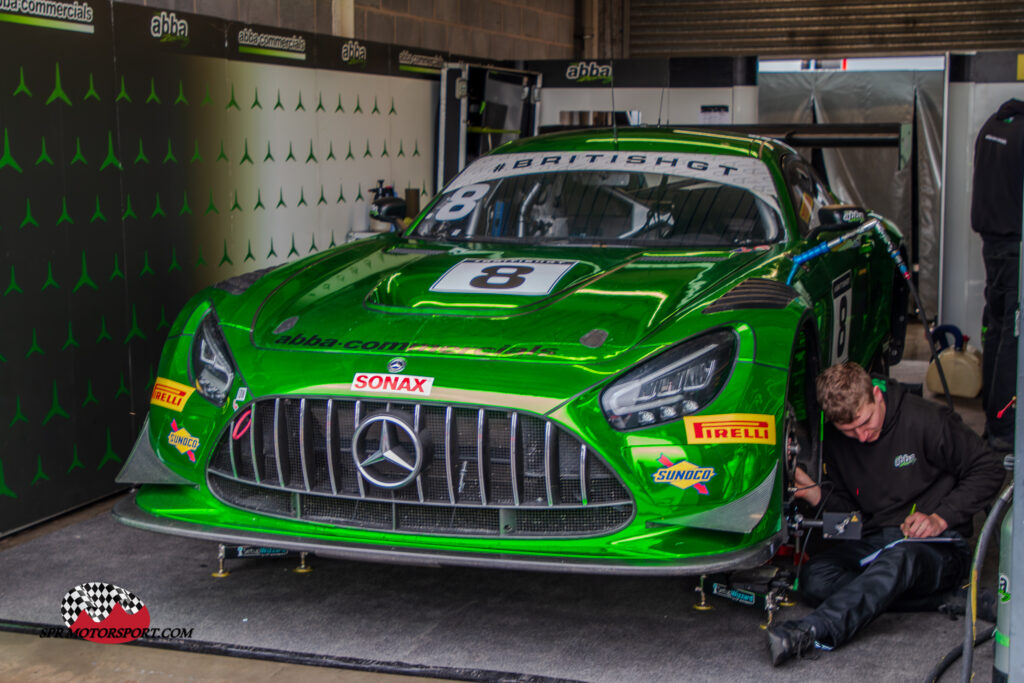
(586, 303)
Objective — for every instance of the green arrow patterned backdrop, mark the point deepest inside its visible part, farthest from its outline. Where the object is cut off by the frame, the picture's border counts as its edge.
(137, 168)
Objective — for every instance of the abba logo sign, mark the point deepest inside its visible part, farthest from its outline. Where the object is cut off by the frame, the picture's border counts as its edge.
(732, 428)
(392, 384)
(167, 27)
(170, 394)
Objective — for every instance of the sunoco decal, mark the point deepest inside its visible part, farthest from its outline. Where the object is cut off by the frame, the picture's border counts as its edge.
(181, 439)
(731, 428)
(63, 16)
(392, 384)
(745, 172)
(170, 394)
(684, 474)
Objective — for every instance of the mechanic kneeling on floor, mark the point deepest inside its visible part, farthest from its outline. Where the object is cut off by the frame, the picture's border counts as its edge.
(914, 470)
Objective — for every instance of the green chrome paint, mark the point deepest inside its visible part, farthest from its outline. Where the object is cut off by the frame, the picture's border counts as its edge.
(362, 304)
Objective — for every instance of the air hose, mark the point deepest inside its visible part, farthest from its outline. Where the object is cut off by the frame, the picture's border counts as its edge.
(970, 617)
(875, 224)
(935, 674)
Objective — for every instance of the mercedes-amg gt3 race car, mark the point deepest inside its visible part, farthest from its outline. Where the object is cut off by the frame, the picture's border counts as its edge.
(592, 351)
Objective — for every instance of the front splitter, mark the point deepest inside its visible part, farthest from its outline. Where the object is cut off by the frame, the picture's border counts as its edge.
(129, 513)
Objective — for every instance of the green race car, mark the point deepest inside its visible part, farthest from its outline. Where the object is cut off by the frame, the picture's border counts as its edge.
(592, 351)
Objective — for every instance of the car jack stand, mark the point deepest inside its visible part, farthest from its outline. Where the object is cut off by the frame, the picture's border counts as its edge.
(703, 605)
(303, 568)
(221, 572)
(232, 552)
(766, 587)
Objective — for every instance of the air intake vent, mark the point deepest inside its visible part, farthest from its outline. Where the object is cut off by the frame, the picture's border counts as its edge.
(493, 472)
(754, 293)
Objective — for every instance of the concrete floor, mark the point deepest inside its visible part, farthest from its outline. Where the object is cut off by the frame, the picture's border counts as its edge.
(29, 658)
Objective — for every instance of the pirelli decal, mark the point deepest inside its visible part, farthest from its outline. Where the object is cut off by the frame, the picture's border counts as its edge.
(170, 394)
(731, 428)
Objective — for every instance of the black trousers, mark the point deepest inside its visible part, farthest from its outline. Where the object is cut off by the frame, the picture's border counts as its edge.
(907, 577)
(999, 345)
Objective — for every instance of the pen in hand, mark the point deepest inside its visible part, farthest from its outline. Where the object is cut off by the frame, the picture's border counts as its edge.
(913, 509)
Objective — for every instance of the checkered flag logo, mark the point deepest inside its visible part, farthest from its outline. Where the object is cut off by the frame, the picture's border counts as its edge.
(98, 601)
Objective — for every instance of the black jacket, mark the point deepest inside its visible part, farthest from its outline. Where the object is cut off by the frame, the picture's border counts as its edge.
(999, 174)
(925, 455)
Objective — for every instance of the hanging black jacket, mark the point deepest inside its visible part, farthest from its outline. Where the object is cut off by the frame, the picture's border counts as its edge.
(996, 206)
(924, 456)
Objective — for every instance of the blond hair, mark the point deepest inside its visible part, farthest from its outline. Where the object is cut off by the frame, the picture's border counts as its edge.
(842, 391)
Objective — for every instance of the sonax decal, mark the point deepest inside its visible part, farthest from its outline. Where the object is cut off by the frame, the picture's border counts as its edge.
(170, 394)
(392, 384)
(181, 439)
(683, 475)
(731, 428)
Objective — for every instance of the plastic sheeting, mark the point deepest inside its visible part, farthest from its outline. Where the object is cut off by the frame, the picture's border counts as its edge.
(870, 176)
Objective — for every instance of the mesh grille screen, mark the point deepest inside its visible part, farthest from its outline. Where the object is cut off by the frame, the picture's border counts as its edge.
(484, 472)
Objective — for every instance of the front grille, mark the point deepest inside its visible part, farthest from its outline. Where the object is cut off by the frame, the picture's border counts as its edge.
(493, 472)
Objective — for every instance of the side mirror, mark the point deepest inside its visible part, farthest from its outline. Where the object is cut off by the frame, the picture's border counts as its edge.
(389, 209)
(841, 216)
(837, 218)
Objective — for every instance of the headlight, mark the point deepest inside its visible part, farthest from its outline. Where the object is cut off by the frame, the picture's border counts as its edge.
(212, 367)
(679, 382)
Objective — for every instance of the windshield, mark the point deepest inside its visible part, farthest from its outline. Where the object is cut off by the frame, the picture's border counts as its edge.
(688, 204)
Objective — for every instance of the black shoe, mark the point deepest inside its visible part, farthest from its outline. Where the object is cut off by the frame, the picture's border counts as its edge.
(790, 639)
(955, 604)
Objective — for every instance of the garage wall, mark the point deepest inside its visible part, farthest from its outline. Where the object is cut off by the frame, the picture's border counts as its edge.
(493, 29)
(313, 16)
(820, 28)
(871, 176)
(487, 29)
(147, 154)
(979, 83)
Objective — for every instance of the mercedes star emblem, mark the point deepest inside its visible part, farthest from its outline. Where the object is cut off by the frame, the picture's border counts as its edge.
(387, 450)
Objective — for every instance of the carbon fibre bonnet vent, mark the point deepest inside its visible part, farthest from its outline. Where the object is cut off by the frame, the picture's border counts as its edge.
(754, 293)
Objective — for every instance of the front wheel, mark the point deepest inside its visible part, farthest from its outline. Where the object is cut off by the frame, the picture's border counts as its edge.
(797, 449)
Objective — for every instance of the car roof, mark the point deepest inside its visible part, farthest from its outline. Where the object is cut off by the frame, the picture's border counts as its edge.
(644, 139)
